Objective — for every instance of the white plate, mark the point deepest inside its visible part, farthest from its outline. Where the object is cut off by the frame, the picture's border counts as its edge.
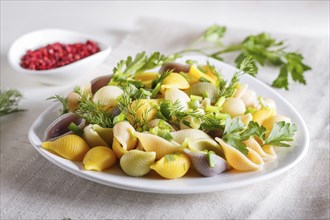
(190, 183)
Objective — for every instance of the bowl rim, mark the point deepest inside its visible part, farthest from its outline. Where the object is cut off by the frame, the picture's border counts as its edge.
(104, 48)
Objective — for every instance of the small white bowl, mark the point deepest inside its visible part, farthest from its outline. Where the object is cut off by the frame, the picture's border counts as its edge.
(61, 75)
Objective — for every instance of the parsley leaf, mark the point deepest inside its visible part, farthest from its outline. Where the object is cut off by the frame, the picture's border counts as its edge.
(282, 132)
(293, 66)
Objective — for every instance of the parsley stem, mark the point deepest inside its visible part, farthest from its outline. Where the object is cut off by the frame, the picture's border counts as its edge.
(230, 48)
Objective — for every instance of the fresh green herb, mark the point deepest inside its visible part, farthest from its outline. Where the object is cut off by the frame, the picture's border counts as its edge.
(75, 129)
(211, 159)
(263, 48)
(93, 113)
(234, 134)
(228, 90)
(9, 100)
(125, 69)
(210, 121)
(282, 132)
(63, 101)
(293, 66)
(161, 78)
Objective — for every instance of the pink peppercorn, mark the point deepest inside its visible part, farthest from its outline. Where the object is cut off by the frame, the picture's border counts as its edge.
(57, 54)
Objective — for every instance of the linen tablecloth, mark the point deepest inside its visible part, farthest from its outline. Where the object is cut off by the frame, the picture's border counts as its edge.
(34, 188)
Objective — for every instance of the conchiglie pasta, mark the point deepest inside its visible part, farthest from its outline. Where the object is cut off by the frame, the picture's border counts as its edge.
(254, 145)
(107, 96)
(262, 114)
(137, 163)
(269, 122)
(238, 160)
(123, 132)
(234, 107)
(172, 166)
(99, 158)
(192, 134)
(71, 147)
(154, 143)
(144, 109)
(92, 137)
(174, 80)
(146, 78)
(175, 94)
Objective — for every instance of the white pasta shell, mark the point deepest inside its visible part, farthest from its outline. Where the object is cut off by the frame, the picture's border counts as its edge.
(254, 145)
(154, 143)
(124, 134)
(202, 87)
(92, 137)
(249, 98)
(174, 94)
(192, 134)
(239, 161)
(240, 90)
(137, 163)
(234, 107)
(107, 96)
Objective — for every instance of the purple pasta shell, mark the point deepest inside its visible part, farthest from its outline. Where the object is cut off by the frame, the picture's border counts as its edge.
(59, 127)
(201, 164)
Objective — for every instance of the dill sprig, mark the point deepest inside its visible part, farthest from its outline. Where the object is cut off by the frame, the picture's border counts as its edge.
(125, 105)
(63, 101)
(245, 67)
(9, 100)
(93, 113)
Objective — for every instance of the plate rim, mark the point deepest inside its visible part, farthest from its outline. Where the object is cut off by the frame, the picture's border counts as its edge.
(188, 190)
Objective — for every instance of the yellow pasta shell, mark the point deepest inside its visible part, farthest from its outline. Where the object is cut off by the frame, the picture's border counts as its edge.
(174, 80)
(99, 158)
(146, 78)
(269, 122)
(71, 147)
(195, 75)
(154, 143)
(239, 161)
(262, 114)
(172, 166)
(137, 163)
(145, 109)
(118, 148)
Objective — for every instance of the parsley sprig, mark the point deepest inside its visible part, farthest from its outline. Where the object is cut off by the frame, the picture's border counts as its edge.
(235, 133)
(263, 48)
